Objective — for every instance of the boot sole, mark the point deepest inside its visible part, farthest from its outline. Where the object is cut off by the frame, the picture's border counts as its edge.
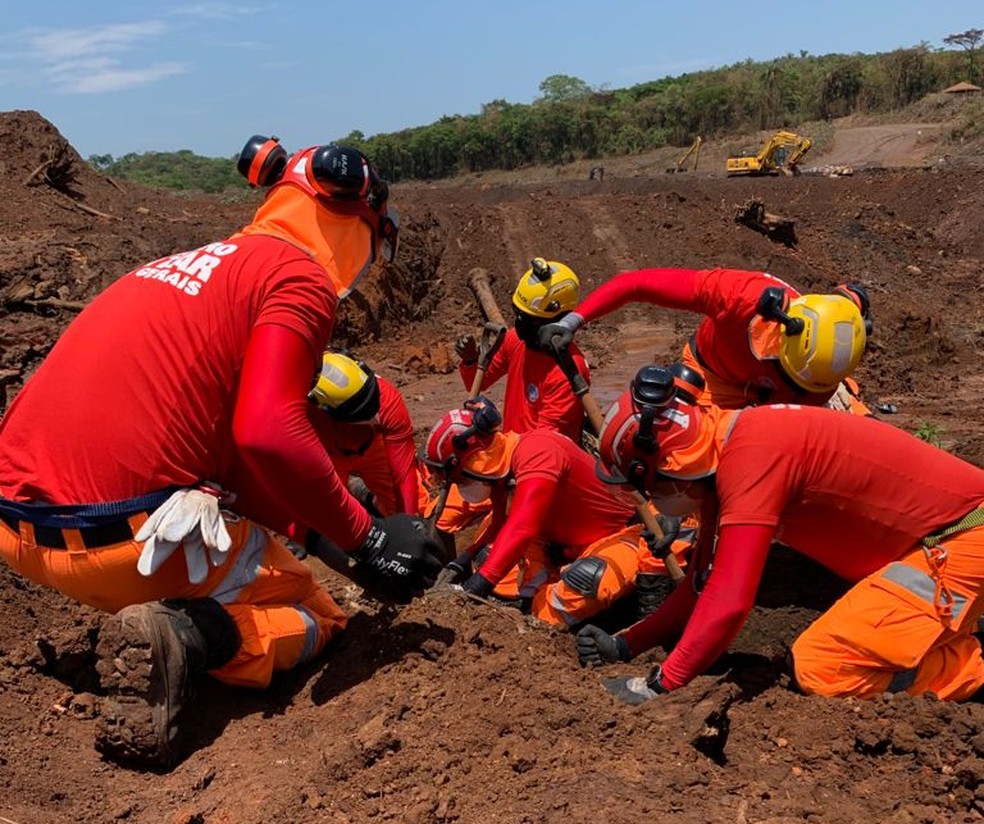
(133, 726)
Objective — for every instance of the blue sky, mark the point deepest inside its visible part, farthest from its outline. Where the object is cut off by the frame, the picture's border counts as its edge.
(119, 76)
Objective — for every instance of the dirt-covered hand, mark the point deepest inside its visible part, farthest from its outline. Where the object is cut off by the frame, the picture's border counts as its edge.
(467, 348)
(596, 647)
(401, 548)
(630, 689)
(478, 585)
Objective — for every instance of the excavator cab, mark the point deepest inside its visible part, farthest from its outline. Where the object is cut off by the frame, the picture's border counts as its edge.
(780, 154)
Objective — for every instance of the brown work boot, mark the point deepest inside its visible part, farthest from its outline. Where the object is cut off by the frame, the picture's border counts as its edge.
(148, 657)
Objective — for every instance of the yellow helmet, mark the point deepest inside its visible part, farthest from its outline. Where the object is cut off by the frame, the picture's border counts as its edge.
(828, 347)
(345, 388)
(547, 289)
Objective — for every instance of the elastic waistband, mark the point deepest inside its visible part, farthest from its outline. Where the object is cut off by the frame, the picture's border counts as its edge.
(81, 516)
(92, 537)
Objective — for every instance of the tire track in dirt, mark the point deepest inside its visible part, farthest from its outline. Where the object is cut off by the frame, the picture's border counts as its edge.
(517, 239)
(605, 228)
(643, 329)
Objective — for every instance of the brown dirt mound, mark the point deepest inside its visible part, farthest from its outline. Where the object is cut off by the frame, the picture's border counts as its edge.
(448, 710)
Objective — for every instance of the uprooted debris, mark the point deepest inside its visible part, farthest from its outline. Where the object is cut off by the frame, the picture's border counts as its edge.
(775, 227)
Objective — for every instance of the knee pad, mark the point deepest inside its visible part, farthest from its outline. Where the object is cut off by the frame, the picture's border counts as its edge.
(584, 575)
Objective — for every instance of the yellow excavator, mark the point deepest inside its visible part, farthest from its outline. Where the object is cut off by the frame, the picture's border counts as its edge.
(780, 155)
(681, 164)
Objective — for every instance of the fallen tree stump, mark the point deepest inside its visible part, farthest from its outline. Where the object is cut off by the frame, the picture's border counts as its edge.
(775, 227)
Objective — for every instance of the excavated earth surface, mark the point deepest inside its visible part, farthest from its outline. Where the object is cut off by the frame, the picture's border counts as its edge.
(448, 710)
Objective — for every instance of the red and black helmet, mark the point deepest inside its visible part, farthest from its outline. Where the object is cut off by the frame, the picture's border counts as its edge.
(462, 439)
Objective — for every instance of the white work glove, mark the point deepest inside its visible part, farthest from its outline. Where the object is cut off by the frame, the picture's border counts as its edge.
(841, 399)
(191, 518)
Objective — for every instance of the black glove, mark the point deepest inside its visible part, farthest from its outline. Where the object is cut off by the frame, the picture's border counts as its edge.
(554, 337)
(670, 525)
(467, 348)
(478, 585)
(596, 647)
(400, 547)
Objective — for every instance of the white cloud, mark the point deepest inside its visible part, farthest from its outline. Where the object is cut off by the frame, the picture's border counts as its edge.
(218, 11)
(109, 77)
(61, 44)
(90, 60)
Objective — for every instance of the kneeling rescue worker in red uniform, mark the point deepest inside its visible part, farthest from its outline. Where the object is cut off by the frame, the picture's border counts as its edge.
(185, 380)
(760, 341)
(364, 424)
(577, 547)
(875, 505)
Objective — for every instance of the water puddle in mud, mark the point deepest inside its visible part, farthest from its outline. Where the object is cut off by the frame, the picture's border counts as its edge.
(638, 344)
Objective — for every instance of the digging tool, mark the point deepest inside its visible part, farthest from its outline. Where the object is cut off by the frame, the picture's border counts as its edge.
(580, 387)
(478, 278)
(492, 336)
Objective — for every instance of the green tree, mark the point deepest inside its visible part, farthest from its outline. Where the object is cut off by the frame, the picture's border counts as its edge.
(101, 162)
(560, 87)
(969, 40)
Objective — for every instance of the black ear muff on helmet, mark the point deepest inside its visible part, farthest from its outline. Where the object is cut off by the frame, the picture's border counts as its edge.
(689, 382)
(262, 160)
(858, 295)
(341, 172)
(363, 405)
(772, 306)
(652, 389)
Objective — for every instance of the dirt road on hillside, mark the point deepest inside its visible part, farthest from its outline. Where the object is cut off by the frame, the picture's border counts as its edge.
(899, 145)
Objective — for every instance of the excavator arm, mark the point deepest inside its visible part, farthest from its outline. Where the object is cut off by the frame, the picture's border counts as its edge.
(780, 153)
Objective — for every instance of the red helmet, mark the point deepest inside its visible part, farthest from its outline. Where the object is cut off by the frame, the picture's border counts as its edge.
(468, 442)
(645, 439)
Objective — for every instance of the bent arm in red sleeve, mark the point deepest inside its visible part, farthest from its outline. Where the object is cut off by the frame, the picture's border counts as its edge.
(529, 509)
(672, 288)
(723, 605)
(276, 440)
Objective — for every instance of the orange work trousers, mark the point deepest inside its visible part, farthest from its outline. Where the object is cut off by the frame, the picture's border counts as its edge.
(556, 596)
(905, 628)
(284, 617)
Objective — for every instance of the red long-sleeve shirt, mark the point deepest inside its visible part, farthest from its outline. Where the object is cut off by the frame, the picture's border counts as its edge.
(558, 499)
(194, 367)
(538, 394)
(727, 298)
(851, 493)
(381, 452)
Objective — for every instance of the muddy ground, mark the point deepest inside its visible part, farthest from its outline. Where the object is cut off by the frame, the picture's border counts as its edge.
(446, 710)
